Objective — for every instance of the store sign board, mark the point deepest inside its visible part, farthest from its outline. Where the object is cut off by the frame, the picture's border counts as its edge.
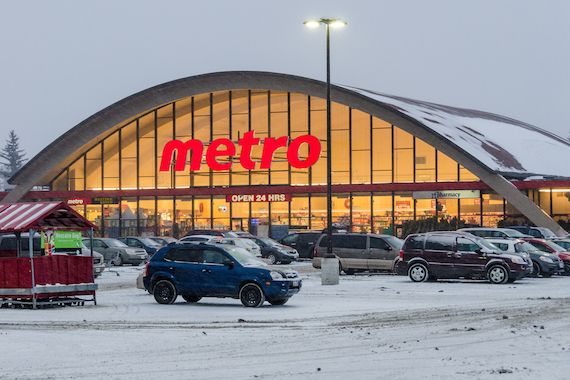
(105, 200)
(258, 198)
(219, 153)
(79, 201)
(447, 194)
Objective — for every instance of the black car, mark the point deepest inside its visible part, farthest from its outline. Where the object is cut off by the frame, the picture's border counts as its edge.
(275, 252)
(437, 255)
(303, 242)
(149, 245)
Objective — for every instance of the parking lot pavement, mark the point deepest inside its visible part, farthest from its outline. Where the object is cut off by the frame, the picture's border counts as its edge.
(369, 326)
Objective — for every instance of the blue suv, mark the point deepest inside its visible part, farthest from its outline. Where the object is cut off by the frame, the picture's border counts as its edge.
(205, 270)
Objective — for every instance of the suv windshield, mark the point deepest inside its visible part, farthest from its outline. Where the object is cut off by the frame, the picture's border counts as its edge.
(524, 247)
(115, 243)
(269, 241)
(244, 257)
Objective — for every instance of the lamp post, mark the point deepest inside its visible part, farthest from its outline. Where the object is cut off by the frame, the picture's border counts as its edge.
(329, 263)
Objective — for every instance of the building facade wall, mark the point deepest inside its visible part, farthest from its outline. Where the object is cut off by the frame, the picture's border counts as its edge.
(366, 150)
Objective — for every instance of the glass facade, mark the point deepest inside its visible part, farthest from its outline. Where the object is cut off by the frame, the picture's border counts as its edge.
(365, 151)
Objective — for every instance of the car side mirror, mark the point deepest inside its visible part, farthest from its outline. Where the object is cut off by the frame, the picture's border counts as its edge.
(388, 248)
(229, 264)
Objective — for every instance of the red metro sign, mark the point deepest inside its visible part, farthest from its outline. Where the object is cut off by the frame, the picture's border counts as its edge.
(225, 148)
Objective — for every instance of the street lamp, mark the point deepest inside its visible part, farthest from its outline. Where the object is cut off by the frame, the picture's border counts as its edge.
(329, 263)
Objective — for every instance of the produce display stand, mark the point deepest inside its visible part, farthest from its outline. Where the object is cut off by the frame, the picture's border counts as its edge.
(44, 280)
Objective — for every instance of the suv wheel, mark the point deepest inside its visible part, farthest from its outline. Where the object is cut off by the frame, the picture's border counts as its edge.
(418, 272)
(271, 259)
(566, 270)
(497, 274)
(251, 295)
(164, 292)
(191, 299)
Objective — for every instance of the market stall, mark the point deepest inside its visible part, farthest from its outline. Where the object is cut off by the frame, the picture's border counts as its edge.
(30, 272)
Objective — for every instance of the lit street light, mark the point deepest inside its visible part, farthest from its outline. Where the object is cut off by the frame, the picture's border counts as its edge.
(329, 263)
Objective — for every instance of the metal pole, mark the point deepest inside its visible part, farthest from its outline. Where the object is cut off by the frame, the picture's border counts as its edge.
(31, 251)
(329, 149)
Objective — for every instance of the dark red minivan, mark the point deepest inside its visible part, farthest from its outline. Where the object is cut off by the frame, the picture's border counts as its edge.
(449, 255)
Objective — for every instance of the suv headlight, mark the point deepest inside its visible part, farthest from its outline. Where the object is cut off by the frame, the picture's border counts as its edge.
(518, 260)
(275, 275)
(546, 259)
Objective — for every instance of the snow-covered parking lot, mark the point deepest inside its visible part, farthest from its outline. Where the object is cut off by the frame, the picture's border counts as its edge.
(369, 326)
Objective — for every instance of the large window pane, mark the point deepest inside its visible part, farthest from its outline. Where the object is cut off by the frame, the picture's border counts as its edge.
(164, 133)
(403, 156)
(221, 129)
(318, 120)
(183, 132)
(382, 213)
(202, 213)
(183, 216)
(425, 162)
(129, 212)
(129, 157)
(300, 212)
(76, 175)
(447, 168)
(299, 127)
(147, 156)
(360, 146)
(221, 211)
(361, 213)
(318, 212)
(94, 170)
(492, 210)
(165, 216)
(147, 216)
(381, 151)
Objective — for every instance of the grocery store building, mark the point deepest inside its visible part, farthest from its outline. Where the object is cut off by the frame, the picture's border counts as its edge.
(247, 150)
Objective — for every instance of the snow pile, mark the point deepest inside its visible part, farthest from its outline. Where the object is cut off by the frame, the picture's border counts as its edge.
(502, 144)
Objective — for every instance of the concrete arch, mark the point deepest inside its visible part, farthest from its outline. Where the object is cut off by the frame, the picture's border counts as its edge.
(65, 149)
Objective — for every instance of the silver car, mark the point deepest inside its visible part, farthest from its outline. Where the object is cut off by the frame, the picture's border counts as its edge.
(117, 252)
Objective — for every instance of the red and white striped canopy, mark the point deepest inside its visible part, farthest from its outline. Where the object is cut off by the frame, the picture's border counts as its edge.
(21, 217)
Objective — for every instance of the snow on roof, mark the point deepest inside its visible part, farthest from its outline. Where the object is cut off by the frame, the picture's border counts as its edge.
(505, 145)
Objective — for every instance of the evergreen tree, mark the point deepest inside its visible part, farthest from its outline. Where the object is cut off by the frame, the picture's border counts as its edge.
(13, 157)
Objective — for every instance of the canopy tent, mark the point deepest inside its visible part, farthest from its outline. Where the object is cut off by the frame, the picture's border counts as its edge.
(46, 278)
(37, 216)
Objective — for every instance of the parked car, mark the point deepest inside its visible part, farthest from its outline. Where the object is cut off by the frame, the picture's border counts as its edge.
(360, 252)
(116, 252)
(548, 246)
(275, 252)
(163, 240)
(199, 239)
(9, 247)
(98, 260)
(150, 246)
(221, 233)
(543, 264)
(447, 255)
(503, 233)
(246, 244)
(302, 242)
(213, 270)
(243, 234)
(537, 232)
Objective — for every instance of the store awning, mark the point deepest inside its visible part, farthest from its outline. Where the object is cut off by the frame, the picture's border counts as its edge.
(21, 217)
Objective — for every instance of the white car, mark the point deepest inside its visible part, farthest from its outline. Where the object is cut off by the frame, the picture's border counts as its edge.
(196, 239)
(515, 247)
(247, 244)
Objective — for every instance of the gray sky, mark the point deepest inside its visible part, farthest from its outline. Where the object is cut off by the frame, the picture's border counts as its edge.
(62, 61)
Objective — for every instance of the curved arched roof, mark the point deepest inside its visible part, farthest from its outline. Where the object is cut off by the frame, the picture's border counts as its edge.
(478, 140)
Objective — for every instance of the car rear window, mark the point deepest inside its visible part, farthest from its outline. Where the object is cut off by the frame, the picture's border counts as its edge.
(440, 242)
(501, 246)
(414, 242)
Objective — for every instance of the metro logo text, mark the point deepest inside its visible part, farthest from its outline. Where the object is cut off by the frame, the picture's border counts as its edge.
(225, 148)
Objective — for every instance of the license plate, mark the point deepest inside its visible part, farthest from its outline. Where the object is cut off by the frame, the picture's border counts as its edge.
(295, 284)
(561, 265)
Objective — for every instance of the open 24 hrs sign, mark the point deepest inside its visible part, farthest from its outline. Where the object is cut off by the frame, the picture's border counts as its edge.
(258, 198)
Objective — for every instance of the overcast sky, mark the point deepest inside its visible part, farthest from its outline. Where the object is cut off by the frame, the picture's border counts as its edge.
(62, 61)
